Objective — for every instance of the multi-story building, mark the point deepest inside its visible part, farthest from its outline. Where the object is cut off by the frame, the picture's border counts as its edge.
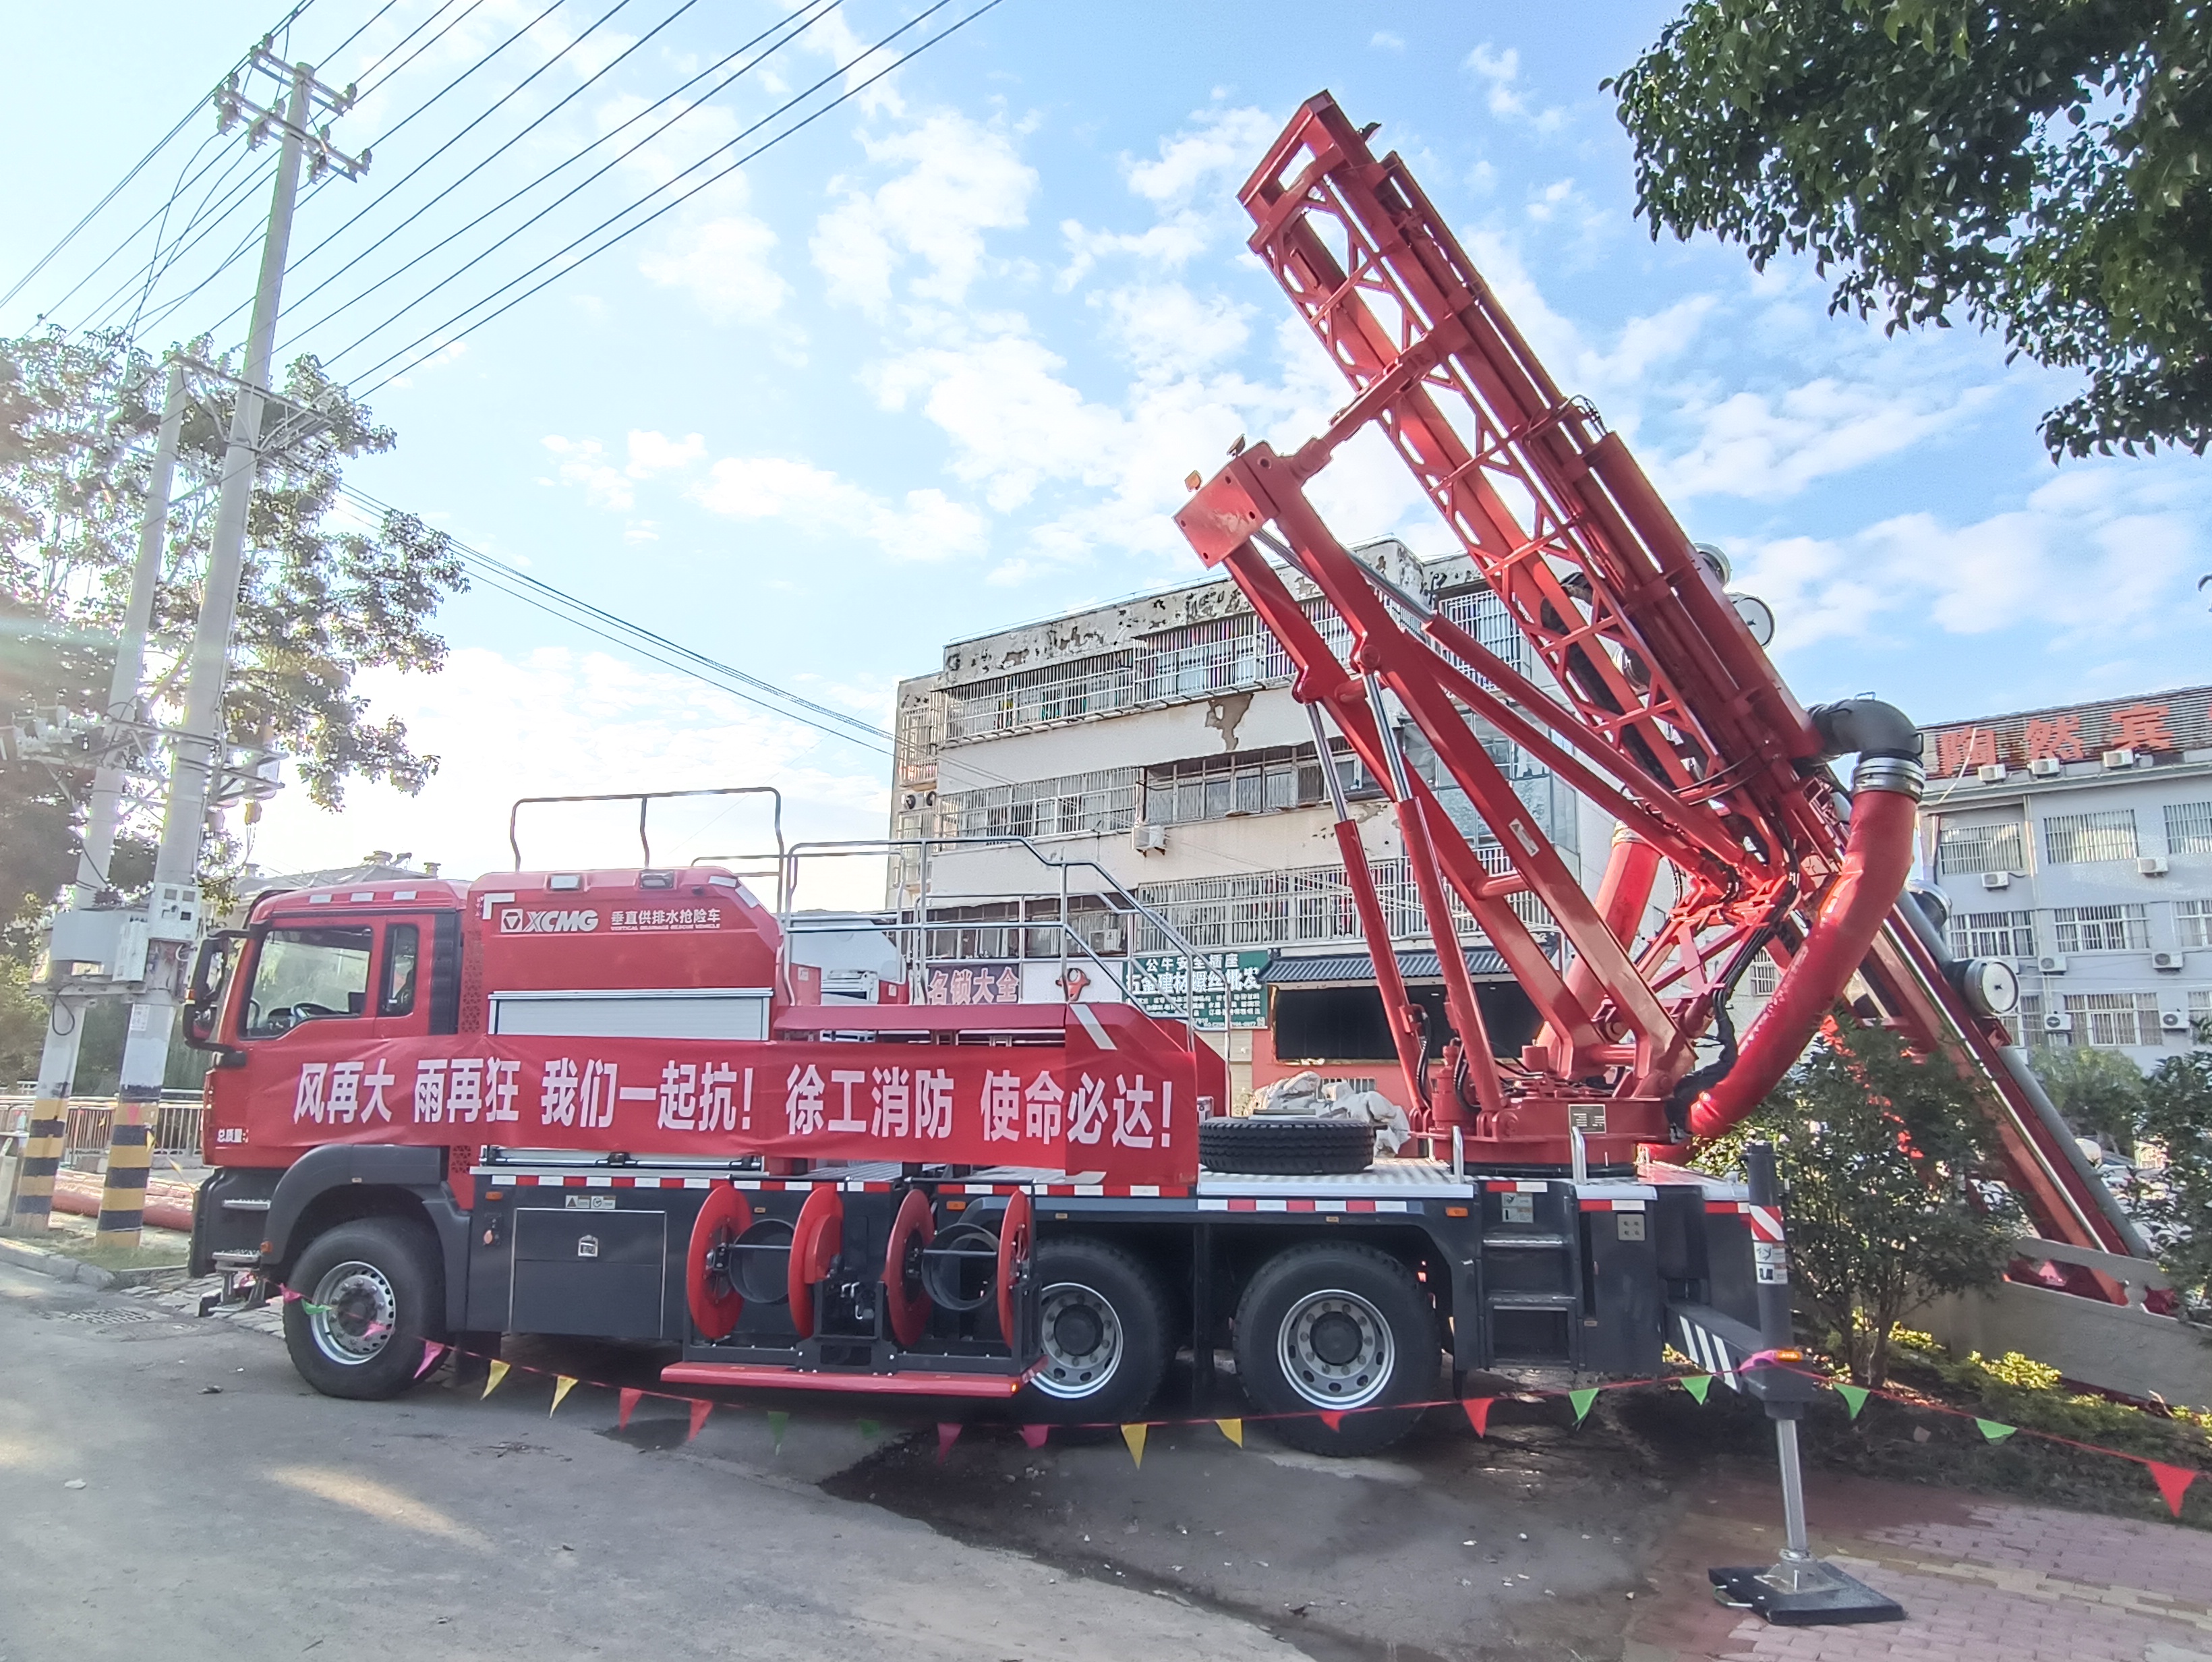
(1157, 739)
(2077, 842)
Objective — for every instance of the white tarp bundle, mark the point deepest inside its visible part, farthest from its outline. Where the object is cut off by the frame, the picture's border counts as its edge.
(1305, 1095)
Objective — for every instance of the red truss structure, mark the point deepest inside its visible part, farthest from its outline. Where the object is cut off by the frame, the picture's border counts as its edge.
(1735, 841)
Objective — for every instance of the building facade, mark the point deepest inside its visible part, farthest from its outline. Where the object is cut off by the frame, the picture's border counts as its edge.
(1157, 739)
(2077, 843)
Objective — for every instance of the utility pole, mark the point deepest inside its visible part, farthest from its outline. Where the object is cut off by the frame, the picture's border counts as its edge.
(174, 912)
(33, 1207)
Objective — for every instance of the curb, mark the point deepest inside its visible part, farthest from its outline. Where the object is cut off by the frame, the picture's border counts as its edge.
(41, 1262)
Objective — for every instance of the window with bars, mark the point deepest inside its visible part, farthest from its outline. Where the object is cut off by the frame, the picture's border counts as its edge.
(1995, 848)
(1245, 782)
(2072, 839)
(2189, 827)
(1761, 976)
(2109, 1020)
(1309, 905)
(1993, 935)
(1036, 697)
(2100, 929)
(2027, 1025)
(2192, 923)
(2200, 1018)
(1074, 804)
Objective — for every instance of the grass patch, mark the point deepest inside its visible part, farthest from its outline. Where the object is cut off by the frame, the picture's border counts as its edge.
(160, 1249)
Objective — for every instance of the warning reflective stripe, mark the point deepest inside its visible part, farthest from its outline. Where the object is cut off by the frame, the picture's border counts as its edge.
(1098, 1034)
(1766, 1222)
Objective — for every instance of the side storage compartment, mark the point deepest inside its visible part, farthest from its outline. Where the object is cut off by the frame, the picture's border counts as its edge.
(600, 1273)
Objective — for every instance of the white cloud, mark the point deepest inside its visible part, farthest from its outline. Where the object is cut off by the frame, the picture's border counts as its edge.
(554, 722)
(959, 179)
(2103, 552)
(724, 263)
(1167, 329)
(1499, 71)
(1766, 446)
(584, 461)
(1224, 143)
(656, 452)
(1383, 41)
(927, 526)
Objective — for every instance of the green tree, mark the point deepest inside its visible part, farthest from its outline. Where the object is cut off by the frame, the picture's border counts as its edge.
(2043, 167)
(2100, 1093)
(320, 601)
(2177, 1205)
(1876, 1149)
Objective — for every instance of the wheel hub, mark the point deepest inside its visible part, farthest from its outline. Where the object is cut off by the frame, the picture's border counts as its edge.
(1082, 1341)
(1336, 1350)
(353, 1313)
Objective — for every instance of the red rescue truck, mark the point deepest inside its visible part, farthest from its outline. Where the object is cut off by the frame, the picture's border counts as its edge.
(608, 1103)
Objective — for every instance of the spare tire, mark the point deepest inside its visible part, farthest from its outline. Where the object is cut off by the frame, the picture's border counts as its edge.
(1285, 1146)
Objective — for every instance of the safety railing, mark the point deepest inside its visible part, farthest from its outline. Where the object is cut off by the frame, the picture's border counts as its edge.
(645, 800)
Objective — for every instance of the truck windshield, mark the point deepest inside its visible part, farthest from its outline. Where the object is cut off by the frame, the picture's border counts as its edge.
(302, 974)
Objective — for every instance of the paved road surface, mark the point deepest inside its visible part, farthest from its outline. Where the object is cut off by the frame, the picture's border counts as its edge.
(262, 1521)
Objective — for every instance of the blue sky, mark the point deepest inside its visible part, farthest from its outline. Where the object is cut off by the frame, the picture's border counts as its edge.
(939, 363)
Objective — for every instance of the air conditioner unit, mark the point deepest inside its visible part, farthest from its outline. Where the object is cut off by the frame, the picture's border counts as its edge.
(2051, 965)
(2122, 758)
(1152, 839)
(1991, 774)
(2046, 767)
(2058, 1023)
(2151, 865)
(1997, 879)
(2172, 1021)
(2168, 961)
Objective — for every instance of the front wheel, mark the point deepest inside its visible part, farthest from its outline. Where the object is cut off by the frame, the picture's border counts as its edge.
(1103, 1322)
(372, 1293)
(1337, 1330)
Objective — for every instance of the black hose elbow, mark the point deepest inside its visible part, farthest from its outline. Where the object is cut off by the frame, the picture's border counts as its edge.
(1865, 726)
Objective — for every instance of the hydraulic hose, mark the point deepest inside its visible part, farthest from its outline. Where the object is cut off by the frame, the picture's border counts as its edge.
(1877, 859)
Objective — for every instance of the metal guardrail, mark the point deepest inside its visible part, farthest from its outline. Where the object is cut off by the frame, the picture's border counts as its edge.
(176, 1124)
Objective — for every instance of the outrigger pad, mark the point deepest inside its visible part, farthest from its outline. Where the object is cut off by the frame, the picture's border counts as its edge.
(1809, 1593)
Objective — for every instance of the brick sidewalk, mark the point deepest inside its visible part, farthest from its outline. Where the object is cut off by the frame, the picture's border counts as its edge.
(1978, 1578)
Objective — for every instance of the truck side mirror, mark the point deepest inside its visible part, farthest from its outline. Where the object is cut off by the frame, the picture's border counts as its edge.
(203, 995)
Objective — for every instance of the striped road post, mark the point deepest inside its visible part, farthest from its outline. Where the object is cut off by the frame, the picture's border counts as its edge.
(33, 1210)
(130, 1153)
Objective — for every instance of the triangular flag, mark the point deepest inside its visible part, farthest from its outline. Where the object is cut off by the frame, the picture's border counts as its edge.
(290, 1295)
(1696, 1384)
(1995, 1430)
(562, 1384)
(699, 1410)
(491, 1379)
(1477, 1414)
(1581, 1399)
(868, 1428)
(948, 1433)
(629, 1398)
(778, 1420)
(1134, 1435)
(1854, 1398)
(1233, 1430)
(2173, 1483)
(431, 1351)
(1034, 1436)
(1334, 1419)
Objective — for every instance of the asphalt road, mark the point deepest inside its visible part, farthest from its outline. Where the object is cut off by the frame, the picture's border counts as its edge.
(170, 1489)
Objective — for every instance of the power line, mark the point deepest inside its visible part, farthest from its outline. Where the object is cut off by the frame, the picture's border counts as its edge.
(809, 22)
(480, 166)
(610, 626)
(137, 167)
(446, 341)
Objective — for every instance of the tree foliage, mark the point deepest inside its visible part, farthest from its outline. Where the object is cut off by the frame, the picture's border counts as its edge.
(320, 600)
(2100, 1092)
(2177, 1204)
(1876, 1148)
(2043, 167)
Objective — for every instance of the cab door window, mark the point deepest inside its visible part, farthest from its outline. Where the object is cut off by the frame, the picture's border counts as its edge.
(403, 948)
(307, 975)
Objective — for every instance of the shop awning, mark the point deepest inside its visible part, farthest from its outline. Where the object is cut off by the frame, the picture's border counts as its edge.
(1356, 969)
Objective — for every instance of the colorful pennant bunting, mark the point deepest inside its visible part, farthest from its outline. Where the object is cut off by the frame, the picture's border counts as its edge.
(1034, 1436)
(699, 1410)
(562, 1384)
(1134, 1435)
(1477, 1414)
(1855, 1396)
(431, 1351)
(1233, 1430)
(778, 1422)
(2173, 1483)
(1995, 1430)
(1582, 1400)
(948, 1433)
(493, 1376)
(629, 1400)
(1696, 1384)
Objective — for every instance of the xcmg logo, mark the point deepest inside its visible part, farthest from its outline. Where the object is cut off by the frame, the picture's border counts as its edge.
(515, 921)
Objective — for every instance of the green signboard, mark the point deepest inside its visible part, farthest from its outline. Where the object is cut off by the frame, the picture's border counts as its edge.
(1158, 986)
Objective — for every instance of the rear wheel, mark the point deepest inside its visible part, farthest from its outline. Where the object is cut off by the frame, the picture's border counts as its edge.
(371, 1294)
(1337, 1330)
(1104, 1321)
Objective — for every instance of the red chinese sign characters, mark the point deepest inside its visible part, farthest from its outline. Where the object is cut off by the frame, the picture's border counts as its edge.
(2167, 723)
